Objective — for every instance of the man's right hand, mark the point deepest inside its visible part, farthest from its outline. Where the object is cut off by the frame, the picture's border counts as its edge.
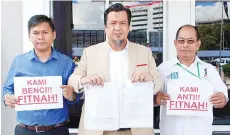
(10, 100)
(161, 98)
(92, 80)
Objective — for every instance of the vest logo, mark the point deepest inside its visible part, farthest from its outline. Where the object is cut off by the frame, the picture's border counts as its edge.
(174, 75)
(205, 72)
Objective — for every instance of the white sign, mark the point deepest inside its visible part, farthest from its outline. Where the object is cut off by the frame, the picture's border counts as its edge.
(101, 107)
(136, 105)
(36, 93)
(115, 106)
(189, 98)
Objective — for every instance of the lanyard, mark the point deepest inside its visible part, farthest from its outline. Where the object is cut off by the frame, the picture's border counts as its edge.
(190, 71)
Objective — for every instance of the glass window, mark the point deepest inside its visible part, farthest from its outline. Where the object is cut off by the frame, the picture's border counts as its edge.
(213, 25)
(228, 61)
(146, 24)
(88, 21)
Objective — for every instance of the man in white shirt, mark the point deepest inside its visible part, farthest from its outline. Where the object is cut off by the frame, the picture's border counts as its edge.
(187, 68)
(115, 60)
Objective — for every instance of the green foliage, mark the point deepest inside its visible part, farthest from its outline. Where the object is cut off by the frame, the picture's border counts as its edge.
(226, 70)
(210, 36)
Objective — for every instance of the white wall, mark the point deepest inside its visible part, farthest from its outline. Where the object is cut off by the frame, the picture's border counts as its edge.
(176, 13)
(30, 8)
(11, 45)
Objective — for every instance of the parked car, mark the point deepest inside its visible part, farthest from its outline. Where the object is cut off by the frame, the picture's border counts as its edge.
(223, 61)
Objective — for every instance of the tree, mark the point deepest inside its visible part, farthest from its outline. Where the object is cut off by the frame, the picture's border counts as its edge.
(210, 36)
(226, 69)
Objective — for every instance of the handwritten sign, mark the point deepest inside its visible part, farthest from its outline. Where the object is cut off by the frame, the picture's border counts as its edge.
(189, 98)
(36, 93)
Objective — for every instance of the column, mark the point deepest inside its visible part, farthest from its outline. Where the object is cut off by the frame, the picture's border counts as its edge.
(176, 14)
(31, 8)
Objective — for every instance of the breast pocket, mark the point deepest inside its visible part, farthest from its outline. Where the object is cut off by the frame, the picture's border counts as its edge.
(141, 68)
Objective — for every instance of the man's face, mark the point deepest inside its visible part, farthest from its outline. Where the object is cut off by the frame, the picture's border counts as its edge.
(117, 27)
(42, 36)
(187, 43)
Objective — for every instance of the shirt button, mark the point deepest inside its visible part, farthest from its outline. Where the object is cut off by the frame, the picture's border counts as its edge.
(44, 69)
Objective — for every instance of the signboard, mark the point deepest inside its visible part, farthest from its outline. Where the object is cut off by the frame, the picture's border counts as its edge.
(36, 93)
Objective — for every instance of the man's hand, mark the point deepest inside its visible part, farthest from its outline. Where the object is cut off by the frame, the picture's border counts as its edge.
(10, 100)
(142, 77)
(67, 91)
(92, 80)
(161, 98)
(218, 100)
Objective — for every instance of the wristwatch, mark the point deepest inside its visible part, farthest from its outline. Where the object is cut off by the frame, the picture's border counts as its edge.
(71, 97)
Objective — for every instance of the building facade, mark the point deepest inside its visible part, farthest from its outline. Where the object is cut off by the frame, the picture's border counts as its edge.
(147, 17)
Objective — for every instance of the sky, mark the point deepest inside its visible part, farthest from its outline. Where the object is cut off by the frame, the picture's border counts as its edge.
(206, 11)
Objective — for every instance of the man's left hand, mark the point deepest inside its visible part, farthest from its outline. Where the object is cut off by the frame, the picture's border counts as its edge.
(218, 100)
(142, 77)
(67, 91)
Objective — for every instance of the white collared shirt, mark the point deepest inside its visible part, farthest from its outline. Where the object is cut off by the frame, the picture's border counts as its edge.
(188, 125)
(118, 65)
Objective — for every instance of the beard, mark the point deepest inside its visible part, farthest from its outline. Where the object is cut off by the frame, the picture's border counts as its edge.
(118, 43)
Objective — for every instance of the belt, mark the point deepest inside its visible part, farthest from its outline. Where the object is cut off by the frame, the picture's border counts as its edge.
(124, 129)
(41, 128)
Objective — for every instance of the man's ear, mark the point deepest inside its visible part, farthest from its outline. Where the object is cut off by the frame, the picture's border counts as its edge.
(29, 36)
(175, 43)
(198, 44)
(105, 27)
(54, 35)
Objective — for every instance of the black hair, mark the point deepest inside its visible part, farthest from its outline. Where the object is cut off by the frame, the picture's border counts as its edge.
(37, 19)
(117, 8)
(191, 26)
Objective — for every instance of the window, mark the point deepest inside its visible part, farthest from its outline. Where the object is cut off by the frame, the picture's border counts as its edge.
(209, 22)
(139, 37)
(228, 61)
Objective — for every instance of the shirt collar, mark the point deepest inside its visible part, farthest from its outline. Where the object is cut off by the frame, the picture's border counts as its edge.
(176, 60)
(33, 55)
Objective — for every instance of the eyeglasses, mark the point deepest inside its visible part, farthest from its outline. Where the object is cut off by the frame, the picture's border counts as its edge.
(189, 41)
